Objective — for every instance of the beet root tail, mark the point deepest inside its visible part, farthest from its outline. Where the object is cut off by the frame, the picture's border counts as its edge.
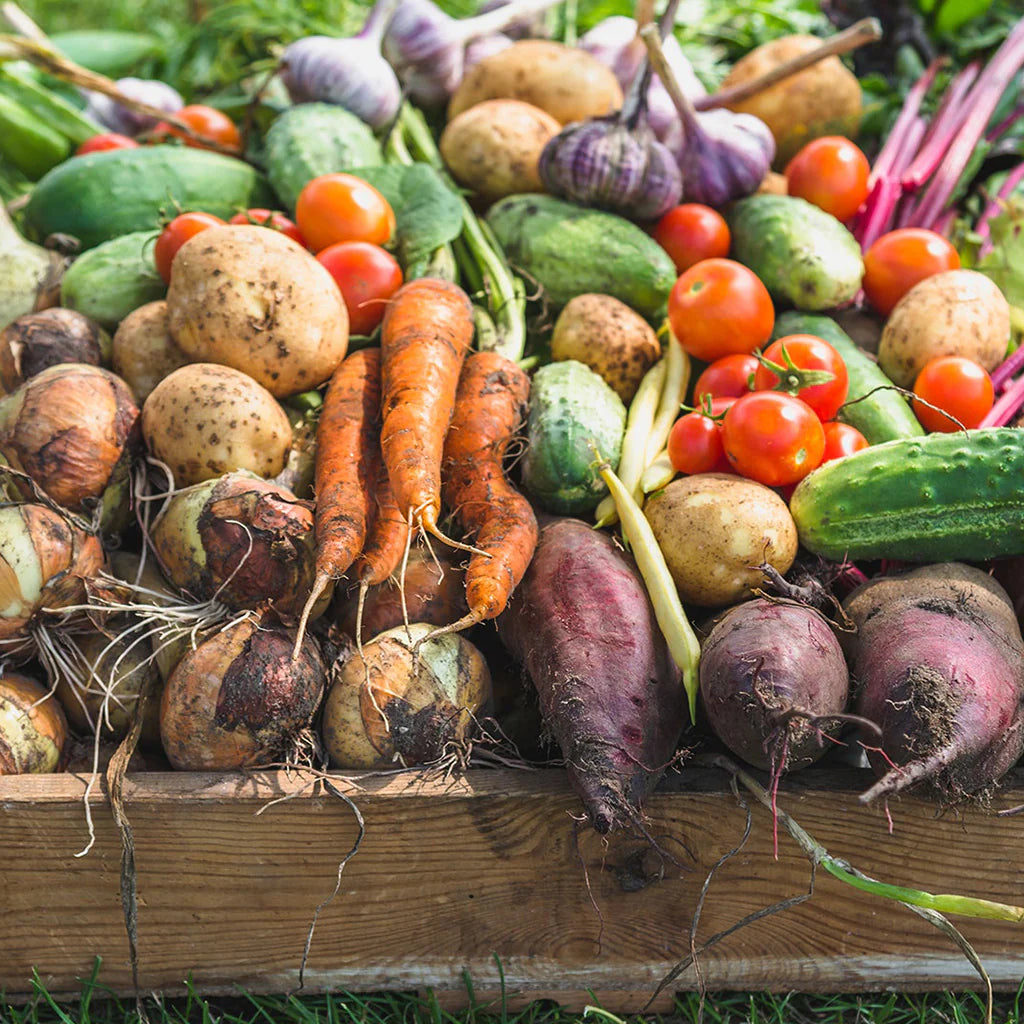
(900, 778)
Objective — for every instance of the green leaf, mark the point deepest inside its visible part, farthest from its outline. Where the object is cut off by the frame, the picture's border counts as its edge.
(954, 14)
(1005, 263)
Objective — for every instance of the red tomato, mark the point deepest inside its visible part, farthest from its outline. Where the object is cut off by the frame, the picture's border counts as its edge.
(807, 352)
(343, 208)
(691, 233)
(695, 445)
(718, 308)
(958, 386)
(728, 377)
(270, 219)
(899, 260)
(368, 276)
(841, 440)
(773, 438)
(175, 235)
(105, 142)
(832, 173)
(205, 121)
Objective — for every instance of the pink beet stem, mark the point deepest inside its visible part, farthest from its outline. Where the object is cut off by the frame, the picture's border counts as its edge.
(1008, 369)
(1007, 405)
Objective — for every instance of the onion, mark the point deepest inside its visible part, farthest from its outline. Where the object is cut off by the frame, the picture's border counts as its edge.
(32, 727)
(239, 698)
(74, 430)
(241, 540)
(39, 340)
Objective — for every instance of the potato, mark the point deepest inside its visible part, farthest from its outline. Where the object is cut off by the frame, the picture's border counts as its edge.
(144, 351)
(250, 298)
(715, 530)
(569, 84)
(606, 335)
(955, 313)
(494, 147)
(824, 99)
(206, 420)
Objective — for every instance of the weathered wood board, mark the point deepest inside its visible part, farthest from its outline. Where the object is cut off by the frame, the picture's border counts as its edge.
(455, 875)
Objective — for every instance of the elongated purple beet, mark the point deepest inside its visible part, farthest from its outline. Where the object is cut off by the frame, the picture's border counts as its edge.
(772, 674)
(582, 625)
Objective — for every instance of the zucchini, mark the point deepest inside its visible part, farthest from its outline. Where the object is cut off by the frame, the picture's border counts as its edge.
(937, 498)
(105, 195)
(883, 415)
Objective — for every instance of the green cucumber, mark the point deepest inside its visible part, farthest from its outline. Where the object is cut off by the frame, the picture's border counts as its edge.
(104, 195)
(110, 281)
(571, 408)
(570, 250)
(880, 416)
(107, 51)
(311, 139)
(937, 498)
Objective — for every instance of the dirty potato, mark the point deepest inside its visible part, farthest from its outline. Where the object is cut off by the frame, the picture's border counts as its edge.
(606, 335)
(144, 351)
(205, 420)
(251, 298)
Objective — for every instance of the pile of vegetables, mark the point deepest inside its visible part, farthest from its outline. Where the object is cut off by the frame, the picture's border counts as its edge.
(472, 388)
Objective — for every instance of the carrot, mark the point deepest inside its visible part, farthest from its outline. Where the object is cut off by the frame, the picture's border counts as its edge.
(426, 333)
(490, 408)
(347, 465)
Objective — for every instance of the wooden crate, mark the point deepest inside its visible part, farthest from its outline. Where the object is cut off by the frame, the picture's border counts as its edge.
(457, 876)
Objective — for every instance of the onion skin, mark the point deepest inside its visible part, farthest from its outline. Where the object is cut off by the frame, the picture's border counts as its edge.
(32, 738)
(37, 341)
(238, 699)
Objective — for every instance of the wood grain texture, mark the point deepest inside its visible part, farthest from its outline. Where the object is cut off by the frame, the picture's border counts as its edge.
(453, 873)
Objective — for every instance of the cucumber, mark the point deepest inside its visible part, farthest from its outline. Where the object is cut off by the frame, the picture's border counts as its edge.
(313, 139)
(108, 282)
(804, 256)
(106, 51)
(104, 195)
(569, 250)
(937, 498)
(883, 415)
(570, 407)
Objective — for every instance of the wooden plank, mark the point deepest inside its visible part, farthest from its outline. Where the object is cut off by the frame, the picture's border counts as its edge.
(453, 873)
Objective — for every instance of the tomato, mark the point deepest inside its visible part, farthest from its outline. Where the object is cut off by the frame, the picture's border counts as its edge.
(695, 445)
(773, 438)
(719, 307)
(832, 173)
(841, 440)
(205, 121)
(958, 386)
(343, 208)
(727, 377)
(103, 143)
(270, 219)
(692, 232)
(176, 234)
(806, 352)
(899, 260)
(368, 276)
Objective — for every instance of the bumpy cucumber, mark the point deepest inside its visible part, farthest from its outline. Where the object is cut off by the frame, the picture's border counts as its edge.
(942, 497)
(570, 408)
(570, 250)
(104, 195)
(884, 415)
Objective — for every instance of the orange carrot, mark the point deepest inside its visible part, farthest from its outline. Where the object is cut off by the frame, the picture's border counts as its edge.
(427, 330)
(347, 466)
(489, 410)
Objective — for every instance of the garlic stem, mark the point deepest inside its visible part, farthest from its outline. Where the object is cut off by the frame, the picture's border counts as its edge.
(651, 35)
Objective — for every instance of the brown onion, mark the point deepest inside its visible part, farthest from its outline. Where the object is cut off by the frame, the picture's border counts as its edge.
(32, 727)
(74, 430)
(36, 341)
(239, 698)
(241, 540)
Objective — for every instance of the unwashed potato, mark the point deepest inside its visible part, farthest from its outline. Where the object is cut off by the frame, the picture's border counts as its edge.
(715, 529)
(251, 298)
(955, 313)
(144, 351)
(205, 420)
(606, 335)
(494, 147)
(824, 99)
(568, 83)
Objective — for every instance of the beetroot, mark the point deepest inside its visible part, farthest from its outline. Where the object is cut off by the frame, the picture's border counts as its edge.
(940, 664)
(772, 674)
(582, 625)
